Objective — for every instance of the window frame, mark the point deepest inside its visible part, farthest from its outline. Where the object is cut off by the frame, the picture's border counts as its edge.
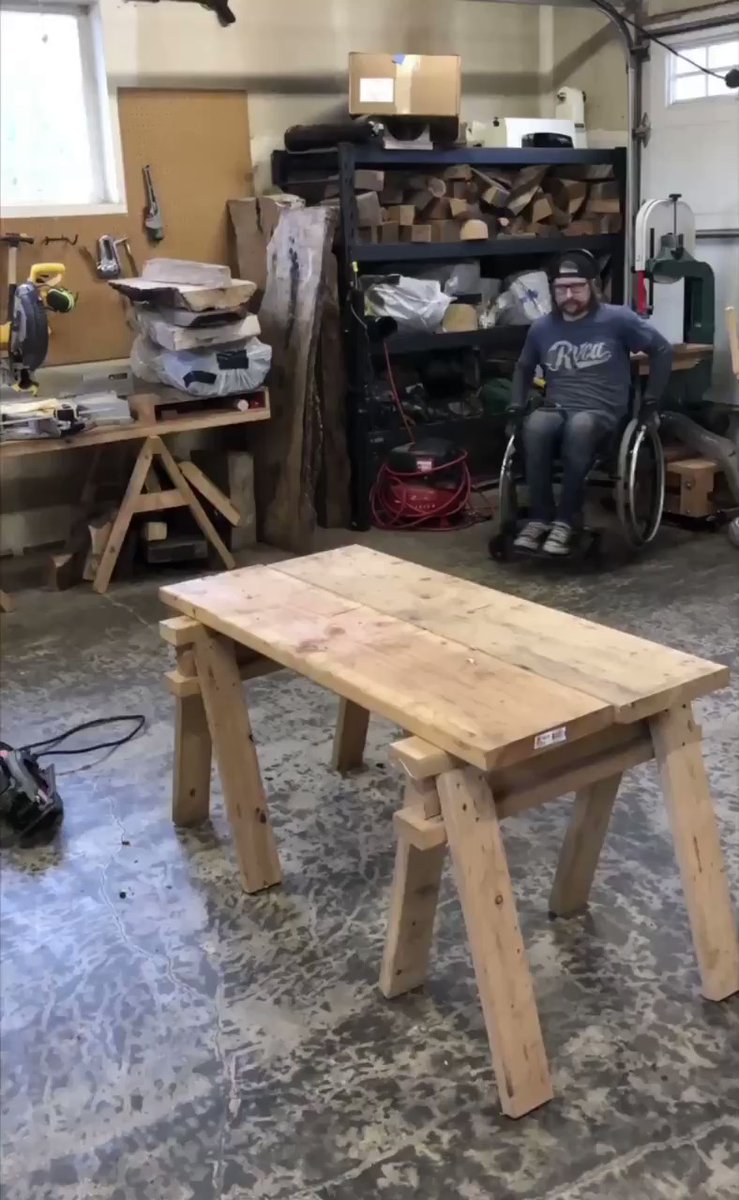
(101, 108)
(686, 47)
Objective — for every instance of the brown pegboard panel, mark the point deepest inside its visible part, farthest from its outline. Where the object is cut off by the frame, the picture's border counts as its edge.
(197, 144)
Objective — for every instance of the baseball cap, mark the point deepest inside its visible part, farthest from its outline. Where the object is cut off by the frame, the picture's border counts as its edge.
(574, 265)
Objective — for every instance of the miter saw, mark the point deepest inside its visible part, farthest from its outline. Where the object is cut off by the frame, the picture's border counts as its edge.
(24, 338)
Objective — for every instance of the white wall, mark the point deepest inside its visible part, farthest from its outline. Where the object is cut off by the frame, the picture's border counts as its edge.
(589, 54)
(693, 150)
(291, 55)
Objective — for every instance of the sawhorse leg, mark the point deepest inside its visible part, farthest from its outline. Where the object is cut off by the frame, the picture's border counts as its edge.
(449, 803)
(503, 976)
(350, 736)
(413, 899)
(230, 729)
(581, 848)
(677, 747)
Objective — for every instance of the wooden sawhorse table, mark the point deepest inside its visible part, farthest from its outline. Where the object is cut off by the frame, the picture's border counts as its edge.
(188, 485)
(508, 705)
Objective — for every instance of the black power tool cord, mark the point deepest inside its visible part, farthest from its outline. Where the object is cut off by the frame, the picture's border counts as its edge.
(50, 745)
(731, 78)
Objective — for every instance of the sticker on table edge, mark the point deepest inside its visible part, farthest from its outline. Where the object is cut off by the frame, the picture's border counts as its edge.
(552, 737)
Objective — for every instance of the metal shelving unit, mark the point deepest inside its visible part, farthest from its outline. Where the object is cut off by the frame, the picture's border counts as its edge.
(502, 255)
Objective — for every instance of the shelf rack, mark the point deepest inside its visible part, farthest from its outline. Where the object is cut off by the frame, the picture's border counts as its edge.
(506, 254)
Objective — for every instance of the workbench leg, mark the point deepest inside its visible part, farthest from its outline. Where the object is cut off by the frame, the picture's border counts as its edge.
(413, 899)
(193, 753)
(581, 848)
(126, 511)
(350, 736)
(243, 791)
(503, 977)
(677, 748)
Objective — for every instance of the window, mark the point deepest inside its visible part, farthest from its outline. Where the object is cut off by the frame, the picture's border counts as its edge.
(686, 80)
(56, 151)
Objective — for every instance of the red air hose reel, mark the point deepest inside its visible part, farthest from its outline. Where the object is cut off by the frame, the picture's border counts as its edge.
(425, 484)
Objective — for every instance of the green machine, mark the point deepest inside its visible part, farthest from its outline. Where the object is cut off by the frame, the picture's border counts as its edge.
(664, 254)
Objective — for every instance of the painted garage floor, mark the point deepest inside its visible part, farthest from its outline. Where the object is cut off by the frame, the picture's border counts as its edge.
(166, 1037)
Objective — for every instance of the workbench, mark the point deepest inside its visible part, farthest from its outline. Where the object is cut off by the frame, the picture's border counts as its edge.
(143, 494)
(505, 704)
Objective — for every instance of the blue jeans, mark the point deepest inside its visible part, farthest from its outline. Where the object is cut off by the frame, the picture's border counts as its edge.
(575, 437)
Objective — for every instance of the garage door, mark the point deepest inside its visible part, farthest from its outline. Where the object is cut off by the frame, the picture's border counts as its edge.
(694, 149)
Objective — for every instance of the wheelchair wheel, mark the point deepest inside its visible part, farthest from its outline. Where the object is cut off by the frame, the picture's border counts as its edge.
(501, 542)
(640, 484)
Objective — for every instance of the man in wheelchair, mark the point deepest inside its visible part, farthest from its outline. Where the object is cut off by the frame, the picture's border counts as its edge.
(583, 347)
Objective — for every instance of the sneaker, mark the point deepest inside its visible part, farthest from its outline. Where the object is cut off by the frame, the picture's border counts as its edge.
(560, 539)
(532, 535)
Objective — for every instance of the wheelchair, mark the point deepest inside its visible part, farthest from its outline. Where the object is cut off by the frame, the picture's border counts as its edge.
(629, 473)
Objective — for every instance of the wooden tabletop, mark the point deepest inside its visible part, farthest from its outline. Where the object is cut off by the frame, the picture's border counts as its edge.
(214, 418)
(685, 356)
(484, 675)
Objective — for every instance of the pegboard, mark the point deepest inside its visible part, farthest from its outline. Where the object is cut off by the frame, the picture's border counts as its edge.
(197, 144)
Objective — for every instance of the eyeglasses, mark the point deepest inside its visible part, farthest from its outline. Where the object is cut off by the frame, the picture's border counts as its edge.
(575, 289)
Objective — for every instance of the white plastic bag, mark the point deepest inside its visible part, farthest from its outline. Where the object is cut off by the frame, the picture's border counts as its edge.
(418, 305)
(526, 298)
(238, 367)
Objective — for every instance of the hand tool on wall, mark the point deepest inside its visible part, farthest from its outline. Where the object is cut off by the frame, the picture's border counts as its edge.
(124, 241)
(108, 265)
(153, 222)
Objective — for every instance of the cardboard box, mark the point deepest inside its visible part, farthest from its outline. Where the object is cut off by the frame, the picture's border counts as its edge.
(418, 85)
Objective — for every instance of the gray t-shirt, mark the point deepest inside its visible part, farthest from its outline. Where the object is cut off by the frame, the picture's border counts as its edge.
(586, 362)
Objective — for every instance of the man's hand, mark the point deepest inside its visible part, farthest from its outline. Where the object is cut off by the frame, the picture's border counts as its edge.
(649, 411)
(515, 415)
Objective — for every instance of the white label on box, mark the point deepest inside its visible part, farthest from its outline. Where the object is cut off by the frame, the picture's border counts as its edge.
(552, 737)
(376, 91)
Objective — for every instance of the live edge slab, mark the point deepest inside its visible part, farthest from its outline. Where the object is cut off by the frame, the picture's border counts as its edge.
(506, 705)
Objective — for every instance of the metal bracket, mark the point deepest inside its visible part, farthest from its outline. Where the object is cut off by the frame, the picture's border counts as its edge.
(642, 132)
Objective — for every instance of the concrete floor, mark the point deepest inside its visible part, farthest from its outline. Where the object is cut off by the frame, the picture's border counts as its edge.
(166, 1037)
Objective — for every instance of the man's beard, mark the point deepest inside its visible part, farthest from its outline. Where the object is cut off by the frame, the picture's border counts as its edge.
(572, 309)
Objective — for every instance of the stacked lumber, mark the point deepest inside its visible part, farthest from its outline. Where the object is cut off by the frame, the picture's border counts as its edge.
(467, 203)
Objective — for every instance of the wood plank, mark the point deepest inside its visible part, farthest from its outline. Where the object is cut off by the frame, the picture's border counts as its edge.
(159, 501)
(350, 737)
(181, 684)
(420, 760)
(502, 973)
(238, 765)
(637, 676)
(530, 784)
(208, 419)
(581, 849)
(677, 747)
(192, 762)
(570, 768)
(422, 832)
(413, 902)
(477, 708)
(210, 491)
(126, 511)
(179, 631)
(413, 898)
